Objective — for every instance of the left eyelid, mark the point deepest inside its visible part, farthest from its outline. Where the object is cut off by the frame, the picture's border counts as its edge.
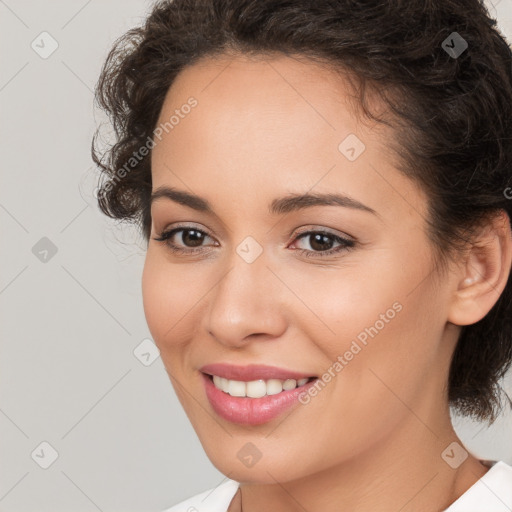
(321, 229)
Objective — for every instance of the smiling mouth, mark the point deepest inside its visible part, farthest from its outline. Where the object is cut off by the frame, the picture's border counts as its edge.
(257, 388)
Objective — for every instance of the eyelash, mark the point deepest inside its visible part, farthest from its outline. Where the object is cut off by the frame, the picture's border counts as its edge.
(346, 244)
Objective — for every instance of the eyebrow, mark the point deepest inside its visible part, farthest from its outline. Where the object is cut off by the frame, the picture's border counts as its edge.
(279, 206)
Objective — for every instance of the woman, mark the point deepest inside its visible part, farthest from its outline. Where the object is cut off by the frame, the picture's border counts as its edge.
(325, 192)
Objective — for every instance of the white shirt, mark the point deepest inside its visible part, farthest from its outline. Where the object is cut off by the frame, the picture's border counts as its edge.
(491, 493)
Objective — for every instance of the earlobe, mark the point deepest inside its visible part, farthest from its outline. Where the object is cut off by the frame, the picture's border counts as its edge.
(484, 274)
(469, 281)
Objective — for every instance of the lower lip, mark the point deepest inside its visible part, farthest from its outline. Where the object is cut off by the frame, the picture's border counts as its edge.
(251, 411)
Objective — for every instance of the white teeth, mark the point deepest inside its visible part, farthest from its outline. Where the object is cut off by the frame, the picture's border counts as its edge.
(289, 384)
(256, 388)
(224, 384)
(274, 386)
(237, 388)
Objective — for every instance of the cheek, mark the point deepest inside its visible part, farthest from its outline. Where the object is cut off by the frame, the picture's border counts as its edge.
(380, 315)
(356, 301)
(151, 294)
(165, 306)
(172, 295)
(159, 295)
(390, 355)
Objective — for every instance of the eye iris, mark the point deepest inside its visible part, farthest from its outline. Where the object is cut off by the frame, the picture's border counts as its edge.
(195, 240)
(320, 241)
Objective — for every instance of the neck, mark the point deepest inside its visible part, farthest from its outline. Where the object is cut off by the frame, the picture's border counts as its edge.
(405, 473)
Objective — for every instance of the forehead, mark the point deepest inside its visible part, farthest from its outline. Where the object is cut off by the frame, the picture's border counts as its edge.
(281, 75)
(264, 123)
(273, 105)
(235, 88)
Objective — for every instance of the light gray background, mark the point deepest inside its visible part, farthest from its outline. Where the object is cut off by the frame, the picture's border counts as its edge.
(69, 325)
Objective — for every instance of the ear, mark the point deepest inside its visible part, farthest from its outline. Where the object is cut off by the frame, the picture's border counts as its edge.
(484, 272)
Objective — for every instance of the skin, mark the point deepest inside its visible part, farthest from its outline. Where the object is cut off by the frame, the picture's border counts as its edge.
(372, 439)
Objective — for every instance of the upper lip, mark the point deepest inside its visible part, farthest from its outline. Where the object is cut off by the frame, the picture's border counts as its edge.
(252, 372)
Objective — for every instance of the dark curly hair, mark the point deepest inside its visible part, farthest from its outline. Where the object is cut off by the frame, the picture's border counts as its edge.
(451, 112)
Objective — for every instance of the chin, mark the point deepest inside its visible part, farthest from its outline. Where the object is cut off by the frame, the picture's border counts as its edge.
(244, 462)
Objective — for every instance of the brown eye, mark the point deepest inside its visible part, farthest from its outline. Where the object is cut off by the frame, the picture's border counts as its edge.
(191, 238)
(321, 243)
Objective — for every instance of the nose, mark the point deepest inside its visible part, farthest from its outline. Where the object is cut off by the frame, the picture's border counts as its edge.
(247, 304)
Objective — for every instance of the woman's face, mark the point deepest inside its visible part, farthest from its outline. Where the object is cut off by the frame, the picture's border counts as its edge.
(366, 317)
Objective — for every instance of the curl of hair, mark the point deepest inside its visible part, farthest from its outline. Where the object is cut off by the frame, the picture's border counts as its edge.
(452, 118)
